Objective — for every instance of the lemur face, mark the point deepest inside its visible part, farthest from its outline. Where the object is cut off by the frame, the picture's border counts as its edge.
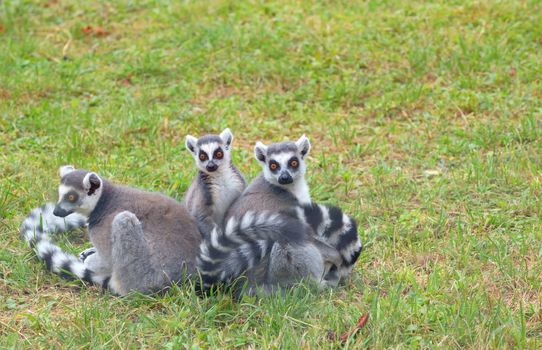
(283, 163)
(79, 192)
(211, 152)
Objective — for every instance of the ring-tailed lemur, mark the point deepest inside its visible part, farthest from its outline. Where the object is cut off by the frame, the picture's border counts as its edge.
(218, 182)
(143, 241)
(281, 187)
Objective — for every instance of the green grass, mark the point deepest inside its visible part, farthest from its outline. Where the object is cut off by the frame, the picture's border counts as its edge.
(426, 125)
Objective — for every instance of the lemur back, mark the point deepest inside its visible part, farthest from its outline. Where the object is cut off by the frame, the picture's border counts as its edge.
(167, 226)
(261, 195)
(218, 182)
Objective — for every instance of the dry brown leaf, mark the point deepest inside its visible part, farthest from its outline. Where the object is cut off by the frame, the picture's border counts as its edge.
(96, 31)
(127, 80)
(362, 321)
(87, 30)
(512, 72)
(100, 32)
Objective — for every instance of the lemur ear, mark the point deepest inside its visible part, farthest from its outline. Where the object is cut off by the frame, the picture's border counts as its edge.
(91, 183)
(227, 137)
(65, 170)
(303, 145)
(260, 151)
(190, 143)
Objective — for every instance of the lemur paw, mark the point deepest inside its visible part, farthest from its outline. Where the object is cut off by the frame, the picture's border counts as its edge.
(86, 253)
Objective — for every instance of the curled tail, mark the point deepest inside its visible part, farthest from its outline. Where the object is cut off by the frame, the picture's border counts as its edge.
(36, 230)
(334, 228)
(244, 243)
(41, 223)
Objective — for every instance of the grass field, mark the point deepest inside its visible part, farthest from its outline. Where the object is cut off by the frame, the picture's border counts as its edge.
(426, 125)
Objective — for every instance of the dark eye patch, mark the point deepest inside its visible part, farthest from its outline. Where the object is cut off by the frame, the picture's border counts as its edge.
(274, 166)
(218, 153)
(71, 197)
(293, 163)
(203, 156)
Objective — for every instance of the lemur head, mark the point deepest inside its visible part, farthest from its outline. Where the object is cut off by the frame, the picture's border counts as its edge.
(284, 162)
(211, 152)
(79, 191)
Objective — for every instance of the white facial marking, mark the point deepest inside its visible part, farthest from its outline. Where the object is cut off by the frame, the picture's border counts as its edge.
(62, 190)
(209, 148)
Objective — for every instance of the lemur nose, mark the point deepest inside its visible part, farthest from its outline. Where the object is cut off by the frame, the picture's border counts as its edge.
(211, 166)
(285, 178)
(60, 212)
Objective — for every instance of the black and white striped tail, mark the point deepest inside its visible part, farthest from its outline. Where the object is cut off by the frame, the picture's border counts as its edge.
(336, 229)
(37, 229)
(242, 245)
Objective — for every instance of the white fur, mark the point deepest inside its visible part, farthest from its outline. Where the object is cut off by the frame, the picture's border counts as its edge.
(300, 190)
(260, 148)
(227, 138)
(326, 221)
(190, 144)
(301, 215)
(62, 190)
(230, 227)
(263, 246)
(215, 243)
(246, 221)
(65, 170)
(89, 202)
(303, 144)
(223, 191)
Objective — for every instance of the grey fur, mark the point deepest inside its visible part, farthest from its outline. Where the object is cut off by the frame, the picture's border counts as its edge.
(143, 241)
(209, 139)
(212, 192)
(280, 147)
(262, 195)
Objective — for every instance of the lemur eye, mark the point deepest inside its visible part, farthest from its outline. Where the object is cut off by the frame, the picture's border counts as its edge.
(294, 163)
(219, 154)
(202, 156)
(273, 166)
(71, 198)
